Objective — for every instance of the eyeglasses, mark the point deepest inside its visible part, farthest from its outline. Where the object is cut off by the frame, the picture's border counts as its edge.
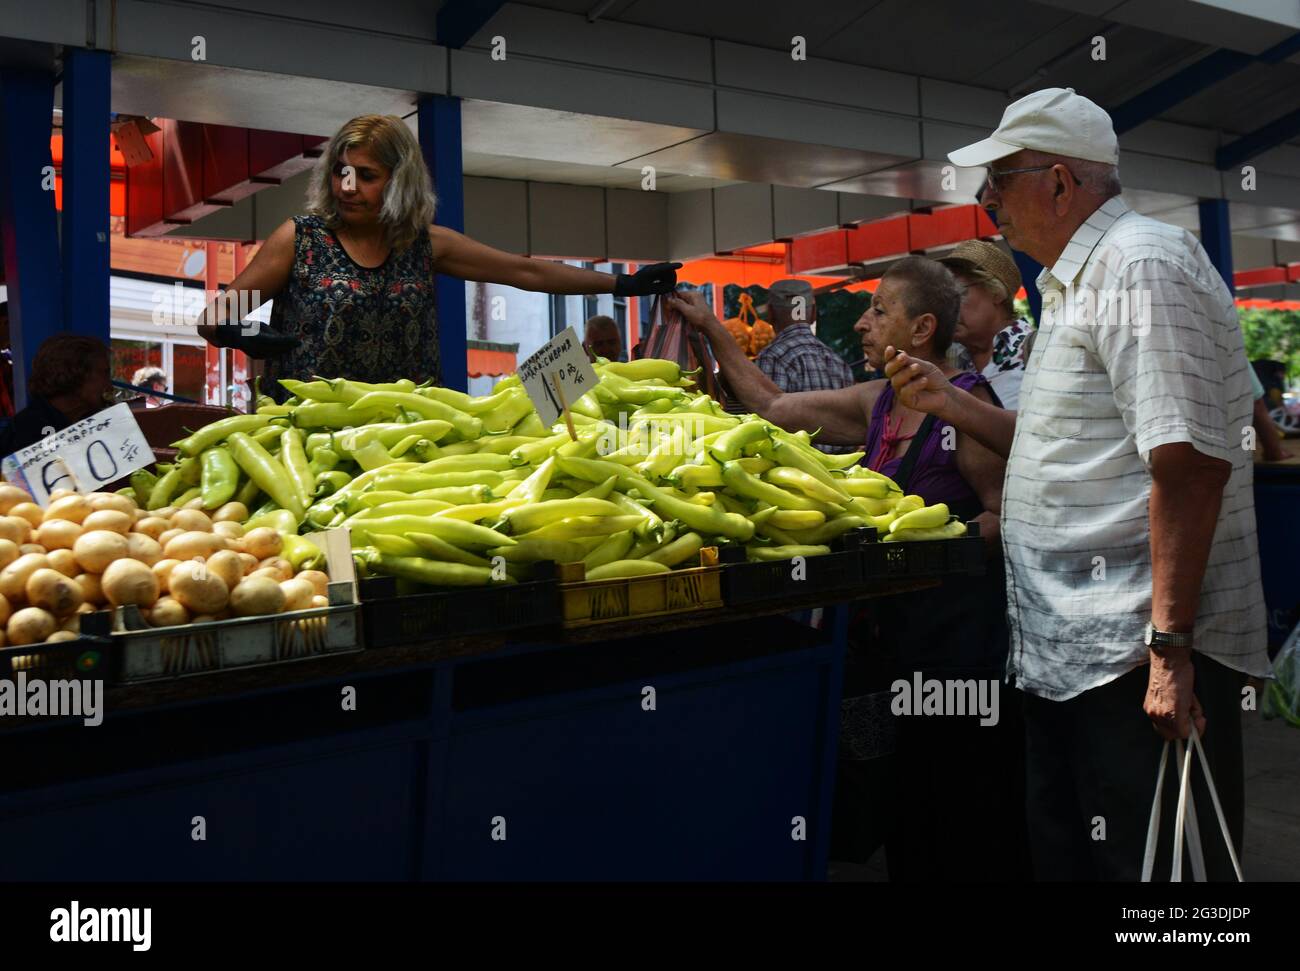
(996, 180)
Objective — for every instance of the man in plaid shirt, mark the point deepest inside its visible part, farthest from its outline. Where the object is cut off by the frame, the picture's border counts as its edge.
(796, 360)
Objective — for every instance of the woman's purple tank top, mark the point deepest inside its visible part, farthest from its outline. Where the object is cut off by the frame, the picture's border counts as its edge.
(934, 476)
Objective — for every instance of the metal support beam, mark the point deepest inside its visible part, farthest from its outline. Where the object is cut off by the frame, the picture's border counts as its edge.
(30, 233)
(440, 141)
(1216, 237)
(459, 20)
(1192, 80)
(1248, 146)
(85, 192)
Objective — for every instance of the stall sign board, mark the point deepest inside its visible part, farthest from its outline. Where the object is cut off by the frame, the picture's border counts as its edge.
(560, 361)
(85, 457)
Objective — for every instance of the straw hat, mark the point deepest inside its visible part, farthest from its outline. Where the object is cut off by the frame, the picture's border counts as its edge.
(990, 258)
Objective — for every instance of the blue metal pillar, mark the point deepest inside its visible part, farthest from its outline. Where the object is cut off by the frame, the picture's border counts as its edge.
(440, 141)
(1216, 237)
(85, 192)
(31, 242)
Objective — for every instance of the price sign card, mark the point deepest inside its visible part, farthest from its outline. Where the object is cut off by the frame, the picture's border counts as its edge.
(86, 456)
(560, 361)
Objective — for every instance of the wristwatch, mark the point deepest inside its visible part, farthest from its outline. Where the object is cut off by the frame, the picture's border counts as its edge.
(1158, 640)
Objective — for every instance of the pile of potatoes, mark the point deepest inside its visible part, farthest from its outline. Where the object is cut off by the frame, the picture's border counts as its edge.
(178, 566)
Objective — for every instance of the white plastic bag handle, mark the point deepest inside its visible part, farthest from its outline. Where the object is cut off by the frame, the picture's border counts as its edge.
(1186, 814)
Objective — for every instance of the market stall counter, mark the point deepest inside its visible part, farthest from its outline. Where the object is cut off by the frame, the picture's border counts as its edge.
(690, 746)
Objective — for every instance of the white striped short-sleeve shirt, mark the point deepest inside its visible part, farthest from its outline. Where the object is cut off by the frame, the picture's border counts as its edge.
(1139, 346)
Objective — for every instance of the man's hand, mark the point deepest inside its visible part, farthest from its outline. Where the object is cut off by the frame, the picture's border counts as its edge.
(647, 281)
(694, 309)
(919, 384)
(1171, 704)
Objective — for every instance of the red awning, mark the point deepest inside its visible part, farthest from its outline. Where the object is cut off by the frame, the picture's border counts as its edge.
(492, 364)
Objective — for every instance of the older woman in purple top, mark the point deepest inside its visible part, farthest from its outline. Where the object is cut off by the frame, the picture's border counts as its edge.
(953, 799)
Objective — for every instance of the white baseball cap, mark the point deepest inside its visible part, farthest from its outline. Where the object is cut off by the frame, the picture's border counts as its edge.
(1054, 120)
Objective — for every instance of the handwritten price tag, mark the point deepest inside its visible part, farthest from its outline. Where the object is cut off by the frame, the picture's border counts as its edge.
(561, 360)
(86, 456)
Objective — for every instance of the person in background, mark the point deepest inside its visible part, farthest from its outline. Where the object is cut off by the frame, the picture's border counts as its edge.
(796, 360)
(990, 340)
(70, 380)
(1136, 608)
(1270, 442)
(153, 378)
(600, 338)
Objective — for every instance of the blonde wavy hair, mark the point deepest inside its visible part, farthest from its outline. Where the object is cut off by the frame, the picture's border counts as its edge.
(409, 200)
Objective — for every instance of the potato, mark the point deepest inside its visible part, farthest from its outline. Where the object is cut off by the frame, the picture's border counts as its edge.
(101, 501)
(87, 608)
(319, 601)
(31, 548)
(5, 610)
(256, 596)
(91, 589)
(72, 622)
(169, 612)
(199, 589)
(31, 625)
(15, 529)
(65, 561)
(229, 530)
(13, 578)
(61, 635)
(263, 542)
(97, 549)
(227, 565)
(195, 503)
(266, 573)
(58, 534)
(141, 547)
(162, 570)
(231, 512)
(249, 561)
(53, 591)
(111, 519)
(192, 519)
(193, 543)
(8, 552)
(168, 535)
(166, 512)
(62, 492)
(203, 619)
(10, 496)
(29, 511)
(73, 508)
(129, 582)
(320, 581)
(297, 593)
(152, 526)
(278, 563)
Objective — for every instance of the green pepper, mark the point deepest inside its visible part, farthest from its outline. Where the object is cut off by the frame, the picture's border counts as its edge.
(768, 553)
(328, 483)
(828, 530)
(532, 426)
(729, 446)
(267, 472)
(421, 481)
(599, 491)
(332, 414)
(294, 458)
(142, 483)
(537, 550)
(626, 568)
(440, 549)
(708, 520)
(268, 437)
(534, 515)
(615, 547)
(504, 444)
(432, 572)
(405, 507)
(810, 486)
(281, 520)
(210, 435)
(683, 548)
(787, 454)
(248, 492)
(467, 426)
(741, 483)
(646, 369)
(164, 488)
(454, 531)
(323, 460)
(468, 463)
(187, 496)
(220, 477)
(506, 415)
(302, 553)
(318, 390)
(575, 527)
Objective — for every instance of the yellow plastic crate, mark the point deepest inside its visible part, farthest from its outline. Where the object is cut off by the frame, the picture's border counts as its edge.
(604, 601)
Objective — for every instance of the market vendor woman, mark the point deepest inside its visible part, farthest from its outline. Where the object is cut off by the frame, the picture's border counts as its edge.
(353, 279)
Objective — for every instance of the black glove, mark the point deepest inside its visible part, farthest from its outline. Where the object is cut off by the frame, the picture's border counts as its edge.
(260, 345)
(655, 278)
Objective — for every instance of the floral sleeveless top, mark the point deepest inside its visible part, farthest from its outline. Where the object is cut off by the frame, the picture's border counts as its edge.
(369, 324)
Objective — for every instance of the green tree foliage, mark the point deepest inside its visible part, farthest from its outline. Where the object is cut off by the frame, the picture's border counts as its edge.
(1272, 335)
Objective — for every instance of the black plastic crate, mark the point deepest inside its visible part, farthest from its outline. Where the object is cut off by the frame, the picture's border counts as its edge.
(86, 658)
(923, 558)
(390, 617)
(835, 572)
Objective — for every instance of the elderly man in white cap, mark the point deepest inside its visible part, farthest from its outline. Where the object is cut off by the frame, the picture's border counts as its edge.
(1128, 520)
